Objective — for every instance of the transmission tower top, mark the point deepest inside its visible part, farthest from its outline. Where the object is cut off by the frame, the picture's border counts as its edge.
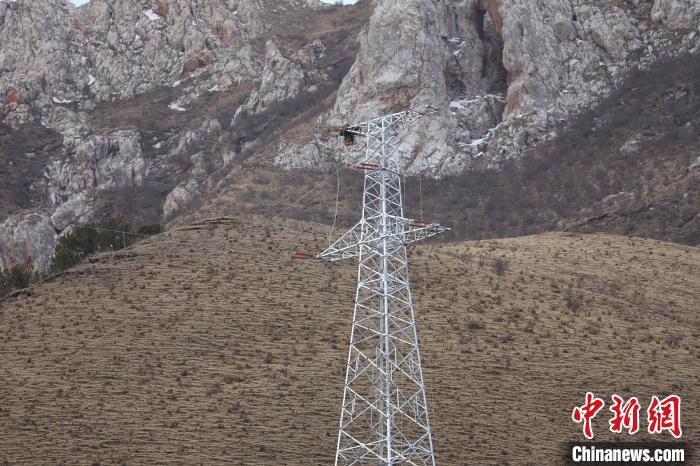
(398, 122)
(382, 166)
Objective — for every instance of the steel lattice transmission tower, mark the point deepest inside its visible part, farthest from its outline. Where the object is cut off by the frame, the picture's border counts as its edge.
(384, 418)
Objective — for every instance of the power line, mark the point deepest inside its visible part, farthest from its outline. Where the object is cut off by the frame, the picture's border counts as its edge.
(125, 321)
(420, 193)
(213, 141)
(306, 194)
(337, 201)
(299, 199)
(94, 342)
(114, 231)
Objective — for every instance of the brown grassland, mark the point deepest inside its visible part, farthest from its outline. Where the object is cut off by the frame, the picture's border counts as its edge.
(209, 345)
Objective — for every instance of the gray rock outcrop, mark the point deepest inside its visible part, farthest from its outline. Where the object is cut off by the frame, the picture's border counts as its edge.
(59, 63)
(27, 239)
(550, 60)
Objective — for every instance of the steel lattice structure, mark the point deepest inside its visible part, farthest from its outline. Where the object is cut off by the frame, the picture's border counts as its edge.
(384, 418)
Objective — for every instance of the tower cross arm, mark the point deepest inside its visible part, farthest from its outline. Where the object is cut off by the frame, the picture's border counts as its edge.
(423, 231)
(345, 247)
(351, 243)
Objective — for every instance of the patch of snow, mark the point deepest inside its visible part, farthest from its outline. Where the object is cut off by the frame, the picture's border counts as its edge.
(459, 104)
(455, 40)
(611, 197)
(177, 83)
(91, 79)
(152, 15)
(498, 97)
(56, 100)
(176, 107)
(157, 146)
(456, 53)
(475, 142)
(694, 165)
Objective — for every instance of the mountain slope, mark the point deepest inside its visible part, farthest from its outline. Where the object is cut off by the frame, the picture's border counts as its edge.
(139, 108)
(503, 74)
(147, 108)
(630, 165)
(208, 344)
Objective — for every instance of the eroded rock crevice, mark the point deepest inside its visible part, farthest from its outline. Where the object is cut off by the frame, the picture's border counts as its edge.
(480, 111)
(490, 26)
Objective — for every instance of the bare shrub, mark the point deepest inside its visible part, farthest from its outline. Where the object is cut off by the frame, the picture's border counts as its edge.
(673, 341)
(474, 325)
(573, 299)
(500, 265)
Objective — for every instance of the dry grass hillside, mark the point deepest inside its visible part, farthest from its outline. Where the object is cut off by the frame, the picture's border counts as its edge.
(209, 345)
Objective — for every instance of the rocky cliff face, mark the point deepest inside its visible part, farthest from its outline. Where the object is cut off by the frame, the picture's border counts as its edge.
(505, 73)
(142, 92)
(107, 50)
(155, 101)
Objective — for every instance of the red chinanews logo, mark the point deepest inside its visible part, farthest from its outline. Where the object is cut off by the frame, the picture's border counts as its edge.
(661, 415)
(625, 415)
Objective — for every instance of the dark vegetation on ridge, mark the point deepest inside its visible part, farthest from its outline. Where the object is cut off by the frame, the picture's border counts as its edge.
(111, 234)
(16, 278)
(85, 240)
